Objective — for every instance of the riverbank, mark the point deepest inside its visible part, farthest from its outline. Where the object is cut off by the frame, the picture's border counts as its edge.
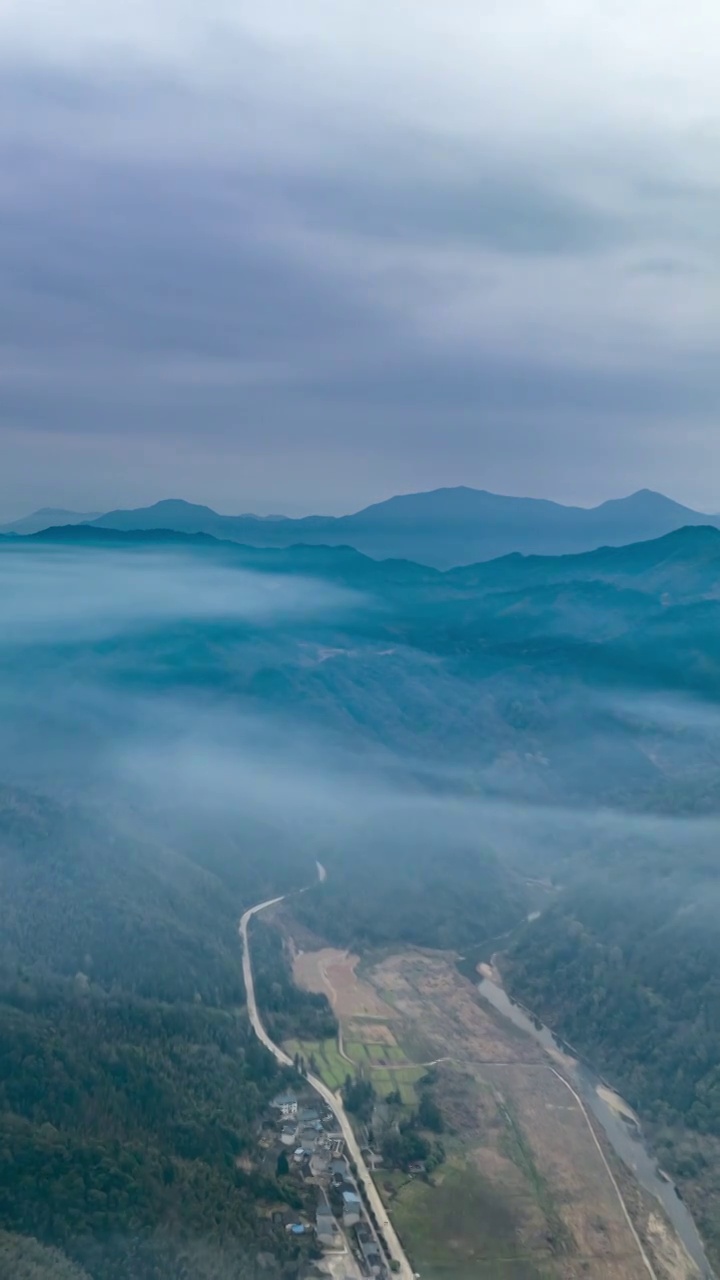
(618, 1121)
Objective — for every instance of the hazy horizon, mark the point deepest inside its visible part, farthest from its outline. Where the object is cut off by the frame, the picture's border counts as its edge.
(297, 510)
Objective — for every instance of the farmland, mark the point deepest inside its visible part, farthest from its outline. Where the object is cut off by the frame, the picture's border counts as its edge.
(368, 1042)
(462, 1228)
(331, 1068)
(525, 1193)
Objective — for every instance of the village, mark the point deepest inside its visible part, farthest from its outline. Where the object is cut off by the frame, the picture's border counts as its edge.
(304, 1142)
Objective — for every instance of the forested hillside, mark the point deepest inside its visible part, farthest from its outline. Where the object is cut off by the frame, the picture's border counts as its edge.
(420, 894)
(630, 976)
(130, 1083)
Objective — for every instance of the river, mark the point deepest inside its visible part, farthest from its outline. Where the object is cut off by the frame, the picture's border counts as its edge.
(620, 1126)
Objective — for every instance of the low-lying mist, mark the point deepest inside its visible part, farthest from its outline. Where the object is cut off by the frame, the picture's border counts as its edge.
(161, 697)
(60, 593)
(261, 715)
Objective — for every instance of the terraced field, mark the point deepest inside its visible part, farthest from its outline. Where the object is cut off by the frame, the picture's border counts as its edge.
(369, 1028)
(331, 1068)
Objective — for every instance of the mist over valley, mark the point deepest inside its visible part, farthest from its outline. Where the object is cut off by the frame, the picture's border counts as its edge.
(189, 725)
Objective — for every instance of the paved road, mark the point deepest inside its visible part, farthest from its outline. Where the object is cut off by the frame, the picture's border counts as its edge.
(333, 1100)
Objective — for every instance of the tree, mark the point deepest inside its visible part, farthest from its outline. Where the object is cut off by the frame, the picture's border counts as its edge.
(359, 1098)
(429, 1114)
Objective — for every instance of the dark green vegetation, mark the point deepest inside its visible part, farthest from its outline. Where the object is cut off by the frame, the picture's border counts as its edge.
(440, 741)
(630, 975)
(287, 1011)
(359, 1097)
(637, 987)
(379, 899)
(415, 1138)
(131, 1088)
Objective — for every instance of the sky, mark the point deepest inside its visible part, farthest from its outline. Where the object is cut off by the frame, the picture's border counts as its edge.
(301, 256)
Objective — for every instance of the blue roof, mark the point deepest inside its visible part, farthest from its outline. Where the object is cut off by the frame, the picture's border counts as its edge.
(350, 1197)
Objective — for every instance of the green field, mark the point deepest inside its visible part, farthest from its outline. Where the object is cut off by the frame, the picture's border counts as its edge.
(387, 1081)
(358, 1053)
(332, 1069)
(393, 1053)
(459, 1228)
(378, 1052)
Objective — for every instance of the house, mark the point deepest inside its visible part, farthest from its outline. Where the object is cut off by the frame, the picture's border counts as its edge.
(286, 1104)
(352, 1208)
(329, 1235)
(288, 1134)
(308, 1140)
(371, 1256)
(369, 1249)
(319, 1165)
(328, 1232)
(308, 1115)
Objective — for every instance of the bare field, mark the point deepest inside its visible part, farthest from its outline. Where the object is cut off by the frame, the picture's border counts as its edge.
(542, 1111)
(370, 1032)
(332, 973)
(525, 1133)
(428, 992)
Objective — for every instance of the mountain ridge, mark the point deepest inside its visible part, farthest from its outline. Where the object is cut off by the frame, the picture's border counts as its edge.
(684, 561)
(442, 528)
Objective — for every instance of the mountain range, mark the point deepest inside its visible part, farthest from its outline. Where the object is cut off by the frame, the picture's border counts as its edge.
(441, 528)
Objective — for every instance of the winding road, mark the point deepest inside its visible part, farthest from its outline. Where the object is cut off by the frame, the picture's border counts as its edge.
(332, 1100)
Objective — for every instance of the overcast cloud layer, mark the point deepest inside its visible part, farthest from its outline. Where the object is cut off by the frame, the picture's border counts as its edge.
(304, 254)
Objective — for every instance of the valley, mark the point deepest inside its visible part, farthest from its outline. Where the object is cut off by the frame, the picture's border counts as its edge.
(521, 754)
(527, 1188)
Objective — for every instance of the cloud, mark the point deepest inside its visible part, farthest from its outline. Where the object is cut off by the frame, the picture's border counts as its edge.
(393, 250)
(53, 595)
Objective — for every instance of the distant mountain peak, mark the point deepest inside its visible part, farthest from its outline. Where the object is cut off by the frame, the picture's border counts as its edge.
(178, 504)
(45, 517)
(647, 501)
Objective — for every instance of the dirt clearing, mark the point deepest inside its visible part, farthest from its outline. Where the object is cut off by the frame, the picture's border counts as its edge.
(332, 973)
(370, 1033)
